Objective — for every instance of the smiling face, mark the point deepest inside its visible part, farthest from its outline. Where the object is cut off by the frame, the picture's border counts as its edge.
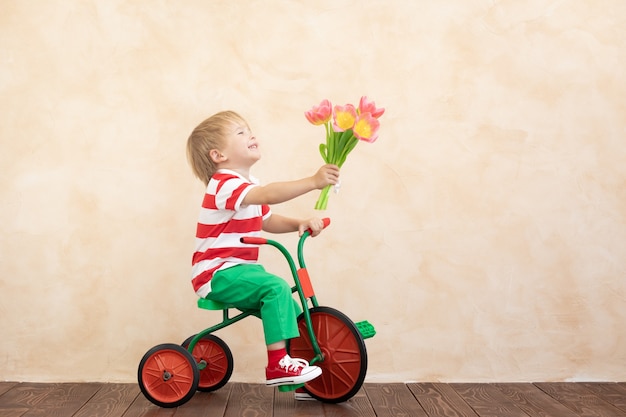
(240, 149)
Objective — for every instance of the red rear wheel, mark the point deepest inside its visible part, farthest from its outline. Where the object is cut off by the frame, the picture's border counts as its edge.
(345, 358)
(168, 375)
(215, 353)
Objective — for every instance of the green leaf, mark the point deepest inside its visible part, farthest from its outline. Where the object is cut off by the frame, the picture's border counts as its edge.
(323, 152)
(345, 135)
(338, 145)
(347, 149)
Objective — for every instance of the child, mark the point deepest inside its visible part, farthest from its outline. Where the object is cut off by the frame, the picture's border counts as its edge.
(221, 151)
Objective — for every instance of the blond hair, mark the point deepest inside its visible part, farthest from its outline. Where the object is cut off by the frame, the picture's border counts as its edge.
(206, 136)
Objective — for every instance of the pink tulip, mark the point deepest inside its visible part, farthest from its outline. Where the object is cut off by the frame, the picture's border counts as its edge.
(344, 117)
(321, 114)
(366, 106)
(366, 127)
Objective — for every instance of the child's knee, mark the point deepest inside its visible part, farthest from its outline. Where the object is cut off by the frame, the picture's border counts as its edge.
(280, 286)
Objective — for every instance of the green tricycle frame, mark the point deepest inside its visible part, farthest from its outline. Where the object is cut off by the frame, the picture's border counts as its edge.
(170, 374)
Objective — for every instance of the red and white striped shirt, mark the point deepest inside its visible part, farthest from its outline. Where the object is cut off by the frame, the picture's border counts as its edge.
(223, 221)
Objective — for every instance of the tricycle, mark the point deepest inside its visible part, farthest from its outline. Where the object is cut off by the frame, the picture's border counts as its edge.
(169, 374)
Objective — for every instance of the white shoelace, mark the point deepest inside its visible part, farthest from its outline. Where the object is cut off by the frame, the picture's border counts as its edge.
(292, 364)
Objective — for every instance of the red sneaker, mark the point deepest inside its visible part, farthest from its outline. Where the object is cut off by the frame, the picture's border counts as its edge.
(291, 371)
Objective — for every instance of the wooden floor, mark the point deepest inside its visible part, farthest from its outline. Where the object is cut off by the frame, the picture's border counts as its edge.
(252, 400)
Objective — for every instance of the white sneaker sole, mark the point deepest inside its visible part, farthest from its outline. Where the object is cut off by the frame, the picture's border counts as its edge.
(313, 373)
(303, 396)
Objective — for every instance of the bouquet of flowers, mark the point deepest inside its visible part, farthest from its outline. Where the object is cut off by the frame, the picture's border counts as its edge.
(349, 126)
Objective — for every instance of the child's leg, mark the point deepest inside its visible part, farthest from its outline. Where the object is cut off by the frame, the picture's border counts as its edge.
(249, 287)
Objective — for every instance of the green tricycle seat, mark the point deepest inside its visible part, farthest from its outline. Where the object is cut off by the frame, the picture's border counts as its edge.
(211, 305)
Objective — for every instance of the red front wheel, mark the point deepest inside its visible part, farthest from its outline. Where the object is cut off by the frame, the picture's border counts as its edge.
(345, 358)
(168, 375)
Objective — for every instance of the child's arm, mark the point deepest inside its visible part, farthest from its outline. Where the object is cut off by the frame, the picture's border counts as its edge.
(281, 224)
(279, 192)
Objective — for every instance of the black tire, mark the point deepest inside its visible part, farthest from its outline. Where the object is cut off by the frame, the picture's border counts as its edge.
(218, 358)
(345, 357)
(168, 375)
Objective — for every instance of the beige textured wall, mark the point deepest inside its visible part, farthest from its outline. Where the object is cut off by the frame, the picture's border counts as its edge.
(484, 234)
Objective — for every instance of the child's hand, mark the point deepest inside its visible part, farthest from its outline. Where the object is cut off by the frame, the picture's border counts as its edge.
(315, 225)
(327, 175)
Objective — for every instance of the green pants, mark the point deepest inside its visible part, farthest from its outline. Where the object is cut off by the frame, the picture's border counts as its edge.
(248, 287)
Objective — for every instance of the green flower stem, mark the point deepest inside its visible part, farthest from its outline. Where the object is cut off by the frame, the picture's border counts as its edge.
(338, 146)
(322, 201)
(330, 143)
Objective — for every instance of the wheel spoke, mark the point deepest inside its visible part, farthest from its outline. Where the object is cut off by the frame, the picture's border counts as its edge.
(180, 386)
(155, 384)
(181, 369)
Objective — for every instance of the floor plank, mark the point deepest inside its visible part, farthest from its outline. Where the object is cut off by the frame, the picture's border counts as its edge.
(250, 400)
(373, 400)
(393, 400)
(358, 405)
(206, 404)
(439, 399)
(5, 386)
(533, 401)
(285, 405)
(13, 412)
(612, 393)
(579, 399)
(23, 397)
(111, 400)
(141, 407)
(487, 400)
(64, 399)
(8, 409)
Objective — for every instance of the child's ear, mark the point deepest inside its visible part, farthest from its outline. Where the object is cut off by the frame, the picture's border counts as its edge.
(216, 156)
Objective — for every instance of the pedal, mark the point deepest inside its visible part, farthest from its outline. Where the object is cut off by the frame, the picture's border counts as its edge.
(292, 387)
(366, 329)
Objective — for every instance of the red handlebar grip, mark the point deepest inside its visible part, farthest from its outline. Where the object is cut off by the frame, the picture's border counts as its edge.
(254, 240)
(326, 222)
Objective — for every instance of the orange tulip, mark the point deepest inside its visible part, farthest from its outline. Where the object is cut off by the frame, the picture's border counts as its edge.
(344, 117)
(366, 127)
